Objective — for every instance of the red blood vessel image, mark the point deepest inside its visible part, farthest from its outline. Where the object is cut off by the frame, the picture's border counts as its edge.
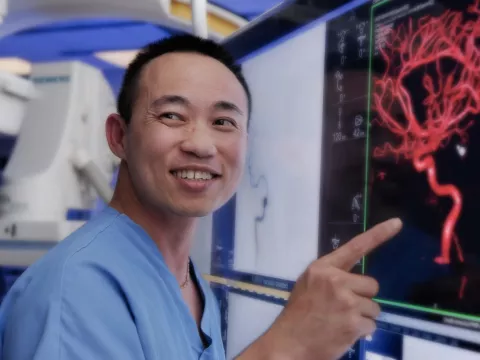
(449, 108)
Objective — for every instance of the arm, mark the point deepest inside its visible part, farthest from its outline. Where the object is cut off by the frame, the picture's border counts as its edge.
(85, 318)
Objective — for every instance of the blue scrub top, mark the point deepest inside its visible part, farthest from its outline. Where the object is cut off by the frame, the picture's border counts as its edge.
(105, 292)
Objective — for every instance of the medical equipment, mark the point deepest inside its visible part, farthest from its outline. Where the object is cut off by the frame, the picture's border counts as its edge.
(61, 161)
(355, 141)
(176, 15)
(3, 9)
(15, 92)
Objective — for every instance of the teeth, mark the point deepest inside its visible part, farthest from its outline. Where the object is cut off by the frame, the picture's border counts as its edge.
(193, 175)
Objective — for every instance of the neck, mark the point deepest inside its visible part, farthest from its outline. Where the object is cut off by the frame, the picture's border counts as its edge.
(172, 234)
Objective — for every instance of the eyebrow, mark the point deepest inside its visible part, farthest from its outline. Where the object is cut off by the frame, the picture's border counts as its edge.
(180, 100)
(226, 105)
(170, 99)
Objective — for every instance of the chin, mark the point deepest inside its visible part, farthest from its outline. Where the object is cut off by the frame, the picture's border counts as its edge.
(197, 207)
(193, 208)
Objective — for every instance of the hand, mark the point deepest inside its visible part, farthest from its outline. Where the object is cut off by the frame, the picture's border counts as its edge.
(329, 308)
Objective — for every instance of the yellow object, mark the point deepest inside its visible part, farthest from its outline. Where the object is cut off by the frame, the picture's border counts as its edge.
(257, 289)
(119, 58)
(15, 65)
(215, 23)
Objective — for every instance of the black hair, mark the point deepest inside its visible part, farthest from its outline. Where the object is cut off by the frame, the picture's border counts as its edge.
(176, 43)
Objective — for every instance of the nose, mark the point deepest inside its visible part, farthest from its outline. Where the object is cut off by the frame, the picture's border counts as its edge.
(199, 142)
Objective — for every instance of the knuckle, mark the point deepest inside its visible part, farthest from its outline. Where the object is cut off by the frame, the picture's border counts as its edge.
(311, 273)
(334, 280)
(319, 274)
(348, 302)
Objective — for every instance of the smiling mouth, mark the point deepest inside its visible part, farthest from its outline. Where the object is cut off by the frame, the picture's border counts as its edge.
(194, 175)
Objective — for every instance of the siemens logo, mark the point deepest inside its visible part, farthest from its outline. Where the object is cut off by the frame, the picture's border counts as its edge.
(51, 79)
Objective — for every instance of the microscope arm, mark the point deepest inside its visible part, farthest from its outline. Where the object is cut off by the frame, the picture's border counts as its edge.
(85, 165)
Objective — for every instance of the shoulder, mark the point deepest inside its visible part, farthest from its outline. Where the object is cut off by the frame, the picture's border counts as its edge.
(49, 280)
(52, 267)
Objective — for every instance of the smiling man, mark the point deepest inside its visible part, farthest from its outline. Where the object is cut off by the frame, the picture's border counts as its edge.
(123, 287)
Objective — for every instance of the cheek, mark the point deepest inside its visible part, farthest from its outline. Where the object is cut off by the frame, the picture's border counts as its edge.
(235, 153)
(145, 149)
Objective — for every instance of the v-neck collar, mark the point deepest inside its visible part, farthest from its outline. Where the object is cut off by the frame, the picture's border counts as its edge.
(188, 320)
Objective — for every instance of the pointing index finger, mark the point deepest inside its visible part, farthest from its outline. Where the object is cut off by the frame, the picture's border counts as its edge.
(348, 255)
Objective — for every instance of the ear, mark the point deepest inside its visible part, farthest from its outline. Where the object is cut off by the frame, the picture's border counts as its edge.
(116, 132)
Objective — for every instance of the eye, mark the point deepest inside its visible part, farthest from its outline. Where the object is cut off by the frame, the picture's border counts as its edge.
(170, 116)
(224, 122)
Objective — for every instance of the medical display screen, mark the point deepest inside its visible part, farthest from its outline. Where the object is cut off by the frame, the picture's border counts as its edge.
(368, 112)
(402, 139)
(391, 342)
(423, 151)
(345, 130)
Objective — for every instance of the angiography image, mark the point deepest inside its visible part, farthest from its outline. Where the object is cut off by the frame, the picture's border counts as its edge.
(424, 153)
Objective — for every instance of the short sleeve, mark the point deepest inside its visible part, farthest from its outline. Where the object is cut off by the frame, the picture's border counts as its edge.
(89, 318)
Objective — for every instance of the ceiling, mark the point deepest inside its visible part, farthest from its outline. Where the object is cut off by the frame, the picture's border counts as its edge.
(80, 39)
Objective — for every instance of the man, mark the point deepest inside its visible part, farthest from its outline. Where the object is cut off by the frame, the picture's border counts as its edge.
(123, 287)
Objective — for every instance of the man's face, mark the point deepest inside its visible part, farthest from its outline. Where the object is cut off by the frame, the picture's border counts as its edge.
(186, 142)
